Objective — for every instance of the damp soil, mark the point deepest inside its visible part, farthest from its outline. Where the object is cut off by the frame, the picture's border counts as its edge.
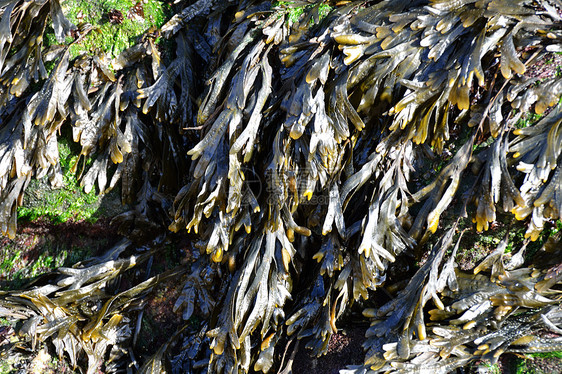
(345, 348)
(41, 246)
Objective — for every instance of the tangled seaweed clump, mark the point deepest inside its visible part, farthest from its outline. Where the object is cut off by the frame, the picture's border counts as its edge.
(312, 129)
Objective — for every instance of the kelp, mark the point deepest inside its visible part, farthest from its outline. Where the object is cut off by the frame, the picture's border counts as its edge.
(97, 98)
(79, 314)
(477, 317)
(424, 74)
(313, 131)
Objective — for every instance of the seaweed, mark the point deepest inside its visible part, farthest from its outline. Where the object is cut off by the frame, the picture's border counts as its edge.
(309, 125)
(77, 313)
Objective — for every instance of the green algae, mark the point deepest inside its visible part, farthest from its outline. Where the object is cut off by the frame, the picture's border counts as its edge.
(60, 204)
(110, 36)
(295, 12)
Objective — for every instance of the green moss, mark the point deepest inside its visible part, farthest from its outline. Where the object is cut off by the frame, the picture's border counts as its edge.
(528, 120)
(46, 262)
(49, 38)
(110, 38)
(324, 10)
(5, 367)
(113, 38)
(60, 205)
(539, 363)
(555, 354)
(18, 269)
(492, 369)
(295, 12)
(9, 261)
(30, 255)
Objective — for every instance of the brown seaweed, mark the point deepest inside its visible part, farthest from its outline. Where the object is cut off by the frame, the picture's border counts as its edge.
(311, 130)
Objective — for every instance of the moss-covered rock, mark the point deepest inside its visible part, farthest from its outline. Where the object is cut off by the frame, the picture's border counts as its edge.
(117, 24)
(69, 201)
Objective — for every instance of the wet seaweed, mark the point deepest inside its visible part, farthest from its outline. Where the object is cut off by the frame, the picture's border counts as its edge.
(311, 130)
(80, 312)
